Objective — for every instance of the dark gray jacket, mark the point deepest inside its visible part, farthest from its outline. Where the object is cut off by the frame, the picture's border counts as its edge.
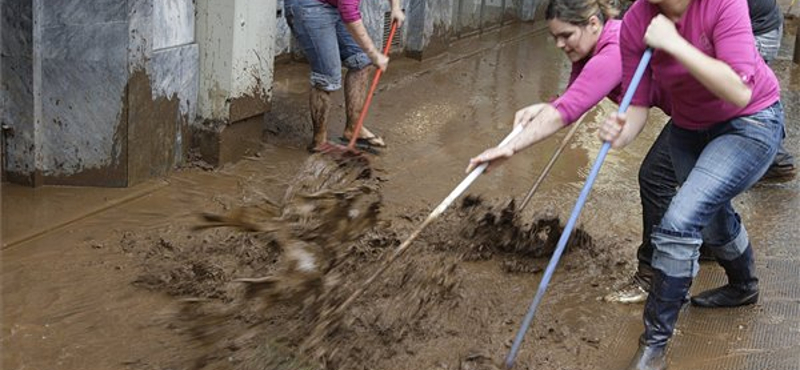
(765, 15)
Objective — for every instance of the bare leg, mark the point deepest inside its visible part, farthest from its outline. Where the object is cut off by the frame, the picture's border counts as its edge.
(320, 102)
(355, 94)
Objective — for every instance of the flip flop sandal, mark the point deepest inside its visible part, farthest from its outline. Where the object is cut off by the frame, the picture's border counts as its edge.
(362, 144)
(374, 140)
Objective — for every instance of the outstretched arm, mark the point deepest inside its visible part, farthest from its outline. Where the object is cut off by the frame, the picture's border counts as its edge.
(539, 121)
(599, 77)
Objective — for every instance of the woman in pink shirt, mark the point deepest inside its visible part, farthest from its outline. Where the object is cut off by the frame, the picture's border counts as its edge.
(727, 124)
(587, 33)
(333, 35)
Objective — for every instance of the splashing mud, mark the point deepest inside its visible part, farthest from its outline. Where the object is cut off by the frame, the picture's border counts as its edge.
(253, 298)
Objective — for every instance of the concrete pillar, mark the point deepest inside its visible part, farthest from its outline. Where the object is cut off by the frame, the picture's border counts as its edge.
(237, 43)
(16, 94)
(101, 92)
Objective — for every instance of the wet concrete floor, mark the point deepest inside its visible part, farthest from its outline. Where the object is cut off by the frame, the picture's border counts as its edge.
(68, 301)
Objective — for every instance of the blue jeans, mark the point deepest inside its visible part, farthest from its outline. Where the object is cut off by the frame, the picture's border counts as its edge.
(326, 42)
(712, 167)
(769, 43)
(657, 186)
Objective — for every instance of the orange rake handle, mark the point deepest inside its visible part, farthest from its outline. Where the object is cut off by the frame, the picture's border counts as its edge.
(372, 88)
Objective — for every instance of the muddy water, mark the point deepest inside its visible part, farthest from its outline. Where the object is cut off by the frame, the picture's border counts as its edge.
(74, 298)
(68, 298)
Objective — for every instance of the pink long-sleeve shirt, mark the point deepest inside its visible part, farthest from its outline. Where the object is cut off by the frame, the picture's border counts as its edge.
(593, 78)
(347, 8)
(720, 29)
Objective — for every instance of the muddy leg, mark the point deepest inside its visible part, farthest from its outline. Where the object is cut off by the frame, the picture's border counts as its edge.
(355, 93)
(320, 102)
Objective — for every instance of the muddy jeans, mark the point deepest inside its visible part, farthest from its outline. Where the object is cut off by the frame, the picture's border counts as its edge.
(712, 167)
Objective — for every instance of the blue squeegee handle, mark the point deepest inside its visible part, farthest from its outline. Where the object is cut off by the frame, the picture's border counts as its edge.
(562, 242)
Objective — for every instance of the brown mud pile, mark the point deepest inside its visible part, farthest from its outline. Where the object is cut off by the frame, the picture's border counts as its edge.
(481, 230)
(255, 299)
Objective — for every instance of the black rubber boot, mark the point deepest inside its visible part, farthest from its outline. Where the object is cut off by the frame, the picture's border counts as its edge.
(667, 296)
(706, 254)
(742, 288)
(644, 275)
(649, 358)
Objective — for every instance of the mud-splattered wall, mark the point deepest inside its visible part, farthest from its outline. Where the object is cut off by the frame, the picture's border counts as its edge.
(16, 86)
(163, 81)
(80, 63)
(430, 24)
(112, 86)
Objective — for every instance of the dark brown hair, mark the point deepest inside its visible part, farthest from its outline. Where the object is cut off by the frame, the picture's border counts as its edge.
(578, 12)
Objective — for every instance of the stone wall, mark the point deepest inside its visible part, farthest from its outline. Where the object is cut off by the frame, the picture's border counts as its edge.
(111, 93)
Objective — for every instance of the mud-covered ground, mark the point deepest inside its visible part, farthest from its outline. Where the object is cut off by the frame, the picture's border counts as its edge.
(255, 287)
(241, 267)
